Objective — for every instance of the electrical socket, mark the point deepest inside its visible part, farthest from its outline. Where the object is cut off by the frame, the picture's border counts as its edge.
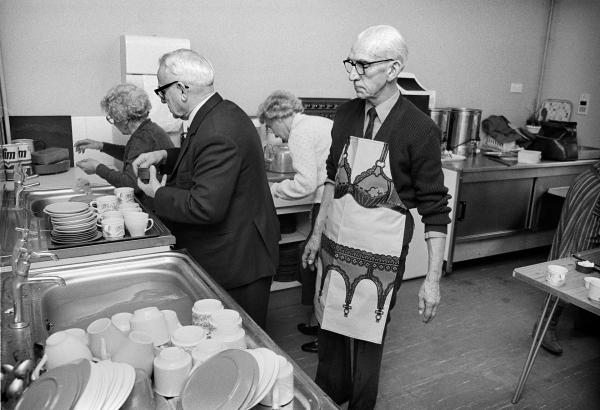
(584, 102)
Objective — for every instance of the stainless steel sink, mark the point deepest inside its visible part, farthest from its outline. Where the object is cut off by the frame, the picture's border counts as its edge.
(168, 280)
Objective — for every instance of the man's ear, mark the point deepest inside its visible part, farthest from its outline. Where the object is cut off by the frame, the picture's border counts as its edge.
(182, 89)
(394, 70)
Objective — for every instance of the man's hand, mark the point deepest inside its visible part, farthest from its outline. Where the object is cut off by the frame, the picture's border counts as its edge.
(153, 184)
(81, 146)
(429, 299)
(148, 158)
(311, 251)
(88, 165)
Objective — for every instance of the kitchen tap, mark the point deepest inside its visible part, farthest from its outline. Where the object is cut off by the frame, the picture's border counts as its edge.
(21, 256)
(20, 185)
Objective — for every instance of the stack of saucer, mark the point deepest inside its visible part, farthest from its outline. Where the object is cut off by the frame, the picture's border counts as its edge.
(72, 222)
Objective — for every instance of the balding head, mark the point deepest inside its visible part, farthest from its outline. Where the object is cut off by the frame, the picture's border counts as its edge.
(384, 42)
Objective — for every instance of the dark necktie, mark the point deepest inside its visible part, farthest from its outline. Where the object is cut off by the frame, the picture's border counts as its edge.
(372, 113)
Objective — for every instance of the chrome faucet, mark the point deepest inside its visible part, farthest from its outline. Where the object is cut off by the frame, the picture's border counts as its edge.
(21, 256)
(20, 185)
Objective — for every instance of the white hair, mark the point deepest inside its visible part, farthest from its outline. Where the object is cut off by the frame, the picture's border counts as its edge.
(385, 42)
(189, 67)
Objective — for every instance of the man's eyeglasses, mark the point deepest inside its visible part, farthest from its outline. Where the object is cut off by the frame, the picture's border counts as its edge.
(361, 66)
(160, 91)
(110, 119)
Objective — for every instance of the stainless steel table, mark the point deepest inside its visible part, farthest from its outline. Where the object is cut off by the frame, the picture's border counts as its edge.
(572, 291)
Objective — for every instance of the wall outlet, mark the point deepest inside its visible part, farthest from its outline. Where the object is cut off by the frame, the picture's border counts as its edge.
(584, 102)
(516, 87)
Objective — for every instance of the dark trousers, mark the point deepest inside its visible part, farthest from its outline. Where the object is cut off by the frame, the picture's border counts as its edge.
(254, 299)
(348, 368)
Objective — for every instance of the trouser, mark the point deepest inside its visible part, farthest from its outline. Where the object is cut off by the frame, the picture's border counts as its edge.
(254, 299)
(348, 369)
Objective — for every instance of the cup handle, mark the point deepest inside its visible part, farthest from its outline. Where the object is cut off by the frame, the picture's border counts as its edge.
(151, 224)
(587, 284)
(41, 364)
(94, 204)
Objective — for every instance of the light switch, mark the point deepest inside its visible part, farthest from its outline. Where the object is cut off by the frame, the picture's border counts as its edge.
(516, 87)
(582, 108)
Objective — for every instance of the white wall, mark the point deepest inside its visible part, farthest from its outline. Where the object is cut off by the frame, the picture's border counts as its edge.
(61, 56)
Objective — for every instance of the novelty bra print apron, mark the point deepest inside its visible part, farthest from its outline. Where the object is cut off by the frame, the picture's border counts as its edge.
(361, 244)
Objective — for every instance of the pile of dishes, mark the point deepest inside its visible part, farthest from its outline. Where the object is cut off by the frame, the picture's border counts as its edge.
(236, 379)
(72, 222)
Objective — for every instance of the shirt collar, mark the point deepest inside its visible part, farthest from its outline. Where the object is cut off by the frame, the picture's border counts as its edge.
(385, 107)
(188, 122)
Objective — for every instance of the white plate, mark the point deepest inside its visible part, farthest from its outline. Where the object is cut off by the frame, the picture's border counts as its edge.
(66, 208)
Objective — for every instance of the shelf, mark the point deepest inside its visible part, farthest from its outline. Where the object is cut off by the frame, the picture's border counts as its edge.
(297, 236)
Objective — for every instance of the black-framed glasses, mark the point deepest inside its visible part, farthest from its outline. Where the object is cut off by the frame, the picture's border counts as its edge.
(110, 119)
(361, 66)
(160, 91)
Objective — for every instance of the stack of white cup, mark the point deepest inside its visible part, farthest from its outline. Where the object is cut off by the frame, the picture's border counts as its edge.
(203, 310)
(227, 324)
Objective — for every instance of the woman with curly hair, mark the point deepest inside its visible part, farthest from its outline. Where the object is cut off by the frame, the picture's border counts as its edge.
(126, 107)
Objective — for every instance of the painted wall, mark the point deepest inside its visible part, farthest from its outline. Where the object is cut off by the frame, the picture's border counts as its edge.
(61, 56)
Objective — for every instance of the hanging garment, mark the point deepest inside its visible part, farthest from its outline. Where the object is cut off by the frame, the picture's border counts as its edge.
(361, 244)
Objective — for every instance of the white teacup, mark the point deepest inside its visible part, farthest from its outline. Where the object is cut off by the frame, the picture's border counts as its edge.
(113, 228)
(137, 223)
(172, 320)
(556, 274)
(226, 321)
(151, 321)
(593, 286)
(122, 321)
(129, 207)
(62, 348)
(125, 195)
(105, 203)
(107, 215)
(188, 337)
(79, 334)
(138, 351)
(205, 349)
(105, 338)
(171, 371)
(203, 310)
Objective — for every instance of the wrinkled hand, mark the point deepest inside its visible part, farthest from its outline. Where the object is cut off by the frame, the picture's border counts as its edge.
(148, 158)
(81, 146)
(153, 184)
(88, 165)
(429, 299)
(311, 251)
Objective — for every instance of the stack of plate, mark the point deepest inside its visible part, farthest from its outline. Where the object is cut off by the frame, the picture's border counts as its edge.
(109, 386)
(59, 388)
(233, 379)
(72, 222)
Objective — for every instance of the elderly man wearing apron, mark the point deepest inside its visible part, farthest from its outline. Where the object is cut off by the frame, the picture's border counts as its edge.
(384, 160)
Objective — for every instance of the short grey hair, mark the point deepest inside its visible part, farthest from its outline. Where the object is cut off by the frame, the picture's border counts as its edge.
(189, 67)
(280, 104)
(385, 42)
(125, 102)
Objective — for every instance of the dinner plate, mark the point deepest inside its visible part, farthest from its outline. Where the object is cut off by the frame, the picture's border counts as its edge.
(75, 227)
(77, 219)
(74, 235)
(72, 241)
(62, 208)
(270, 363)
(58, 388)
(224, 379)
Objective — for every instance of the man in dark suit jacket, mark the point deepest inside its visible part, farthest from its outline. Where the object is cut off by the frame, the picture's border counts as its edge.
(216, 199)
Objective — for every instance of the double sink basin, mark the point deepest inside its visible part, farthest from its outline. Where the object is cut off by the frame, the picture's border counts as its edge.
(96, 289)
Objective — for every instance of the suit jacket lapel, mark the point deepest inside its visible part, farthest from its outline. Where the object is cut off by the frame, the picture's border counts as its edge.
(200, 115)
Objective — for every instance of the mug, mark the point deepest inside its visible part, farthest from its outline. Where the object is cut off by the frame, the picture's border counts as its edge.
(122, 321)
(556, 274)
(129, 207)
(593, 286)
(188, 337)
(171, 370)
(151, 321)
(124, 195)
(105, 338)
(109, 214)
(113, 228)
(105, 203)
(138, 223)
(138, 351)
(203, 310)
(62, 348)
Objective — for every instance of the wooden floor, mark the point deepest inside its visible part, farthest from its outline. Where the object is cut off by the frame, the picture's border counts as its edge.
(472, 354)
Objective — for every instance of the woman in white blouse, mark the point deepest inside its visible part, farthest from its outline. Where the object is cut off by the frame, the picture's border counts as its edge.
(309, 139)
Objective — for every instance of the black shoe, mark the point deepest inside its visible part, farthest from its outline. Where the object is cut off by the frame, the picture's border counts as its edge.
(308, 330)
(310, 347)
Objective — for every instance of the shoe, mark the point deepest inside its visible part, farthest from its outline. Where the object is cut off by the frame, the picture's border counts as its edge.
(310, 347)
(550, 342)
(308, 330)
